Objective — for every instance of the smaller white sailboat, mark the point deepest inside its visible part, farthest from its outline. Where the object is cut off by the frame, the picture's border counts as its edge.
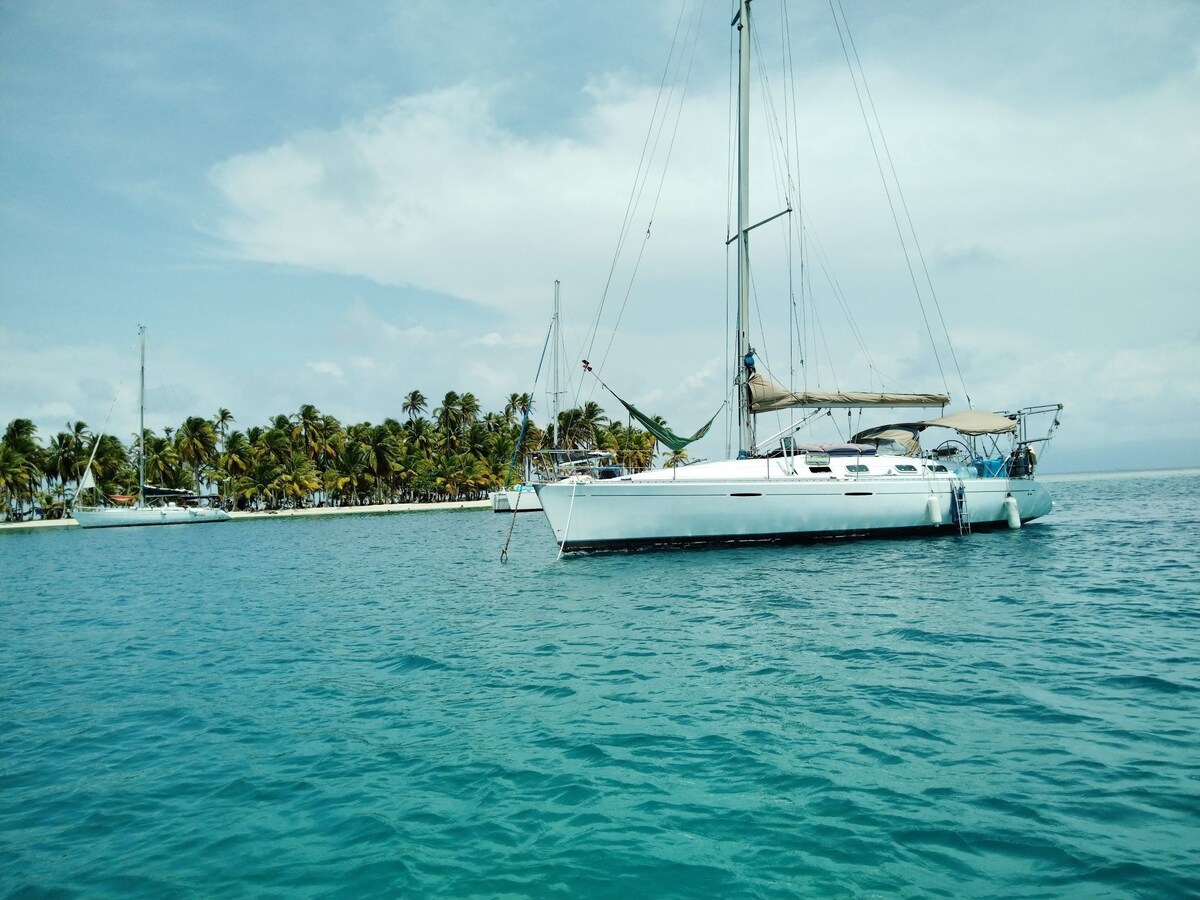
(170, 507)
(522, 497)
(518, 498)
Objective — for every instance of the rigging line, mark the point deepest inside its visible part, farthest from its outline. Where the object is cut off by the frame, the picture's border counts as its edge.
(533, 393)
(574, 386)
(789, 106)
(784, 182)
(839, 295)
(904, 204)
(662, 181)
(791, 229)
(639, 177)
(521, 439)
(116, 396)
(657, 124)
(891, 204)
(730, 165)
(570, 511)
(820, 333)
(781, 168)
(777, 141)
(844, 304)
(796, 228)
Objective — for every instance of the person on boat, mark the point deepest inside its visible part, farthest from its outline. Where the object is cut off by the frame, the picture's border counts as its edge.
(748, 361)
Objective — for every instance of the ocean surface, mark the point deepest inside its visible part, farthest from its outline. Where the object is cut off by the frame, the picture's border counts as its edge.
(375, 706)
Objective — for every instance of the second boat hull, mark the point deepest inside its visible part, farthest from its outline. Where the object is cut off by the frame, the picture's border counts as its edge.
(520, 499)
(121, 517)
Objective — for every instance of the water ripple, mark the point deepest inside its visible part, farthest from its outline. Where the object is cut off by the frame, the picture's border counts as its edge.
(376, 707)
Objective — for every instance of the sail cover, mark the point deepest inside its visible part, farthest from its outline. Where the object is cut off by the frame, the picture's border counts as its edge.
(904, 435)
(661, 432)
(767, 396)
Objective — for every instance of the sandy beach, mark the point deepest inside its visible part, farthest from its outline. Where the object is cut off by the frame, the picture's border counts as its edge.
(287, 513)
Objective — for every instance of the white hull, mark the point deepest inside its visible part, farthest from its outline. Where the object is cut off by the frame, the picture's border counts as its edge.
(771, 500)
(523, 499)
(114, 517)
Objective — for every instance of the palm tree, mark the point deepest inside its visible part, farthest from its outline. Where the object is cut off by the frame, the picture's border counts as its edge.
(275, 443)
(384, 454)
(675, 458)
(21, 436)
(162, 461)
(511, 407)
(298, 478)
(236, 457)
(222, 420)
(350, 472)
(112, 466)
(260, 482)
(567, 428)
(16, 479)
(81, 438)
(448, 415)
(307, 431)
(60, 460)
(526, 403)
(415, 403)
(196, 443)
(592, 420)
(468, 410)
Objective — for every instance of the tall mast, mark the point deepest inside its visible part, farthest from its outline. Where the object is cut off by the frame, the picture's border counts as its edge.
(556, 366)
(141, 500)
(745, 423)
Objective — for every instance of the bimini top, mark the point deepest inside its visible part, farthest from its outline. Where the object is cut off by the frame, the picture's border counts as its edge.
(769, 396)
(969, 422)
(972, 422)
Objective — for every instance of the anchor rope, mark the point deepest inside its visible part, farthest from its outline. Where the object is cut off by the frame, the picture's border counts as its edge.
(521, 439)
(570, 510)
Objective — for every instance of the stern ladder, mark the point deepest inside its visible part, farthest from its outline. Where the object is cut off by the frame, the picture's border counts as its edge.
(958, 507)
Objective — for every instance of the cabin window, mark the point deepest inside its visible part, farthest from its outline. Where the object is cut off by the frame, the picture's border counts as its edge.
(939, 468)
(857, 468)
(905, 467)
(817, 470)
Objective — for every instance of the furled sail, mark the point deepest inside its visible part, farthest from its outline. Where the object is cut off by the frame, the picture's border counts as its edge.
(906, 435)
(87, 481)
(768, 396)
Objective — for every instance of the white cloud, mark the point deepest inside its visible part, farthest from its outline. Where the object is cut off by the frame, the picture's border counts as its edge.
(326, 368)
(1053, 183)
(431, 192)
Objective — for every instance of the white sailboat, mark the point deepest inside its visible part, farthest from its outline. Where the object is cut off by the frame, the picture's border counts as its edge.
(879, 483)
(142, 512)
(522, 497)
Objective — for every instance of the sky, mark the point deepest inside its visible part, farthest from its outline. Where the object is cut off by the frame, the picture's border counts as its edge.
(337, 203)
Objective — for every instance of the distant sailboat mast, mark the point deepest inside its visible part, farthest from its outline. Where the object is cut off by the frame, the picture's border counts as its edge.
(141, 500)
(555, 368)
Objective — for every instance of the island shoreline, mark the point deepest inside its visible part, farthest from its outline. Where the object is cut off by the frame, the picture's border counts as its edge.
(377, 509)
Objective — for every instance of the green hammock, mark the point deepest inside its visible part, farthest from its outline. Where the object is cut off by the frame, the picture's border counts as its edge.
(664, 434)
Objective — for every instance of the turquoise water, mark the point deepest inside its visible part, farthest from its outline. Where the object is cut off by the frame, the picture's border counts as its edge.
(374, 706)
